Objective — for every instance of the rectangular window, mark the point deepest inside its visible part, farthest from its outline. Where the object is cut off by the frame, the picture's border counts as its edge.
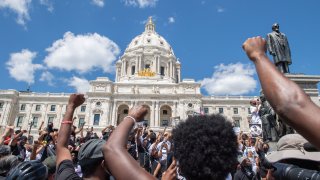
(35, 122)
(1, 105)
(19, 121)
(221, 110)
(23, 107)
(133, 70)
(164, 122)
(125, 111)
(50, 119)
(206, 110)
(38, 107)
(53, 108)
(236, 123)
(81, 122)
(249, 111)
(235, 111)
(96, 119)
(162, 71)
(164, 112)
(147, 66)
(83, 108)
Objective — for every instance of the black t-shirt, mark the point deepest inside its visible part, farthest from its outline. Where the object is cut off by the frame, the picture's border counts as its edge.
(66, 170)
(19, 151)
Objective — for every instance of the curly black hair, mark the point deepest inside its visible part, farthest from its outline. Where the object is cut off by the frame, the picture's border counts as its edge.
(205, 147)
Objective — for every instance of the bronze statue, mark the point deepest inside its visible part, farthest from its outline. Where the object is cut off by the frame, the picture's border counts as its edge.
(278, 47)
(268, 119)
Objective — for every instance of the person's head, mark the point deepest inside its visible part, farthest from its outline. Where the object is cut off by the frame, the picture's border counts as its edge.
(275, 27)
(265, 147)
(295, 150)
(246, 163)
(253, 102)
(31, 170)
(247, 143)
(74, 156)
(145, 143)
(7, 163)
(244, 137)
(166, 136)
(4, 150)
(252, 141)
(91, 159)
(205, 147)
(23, 140)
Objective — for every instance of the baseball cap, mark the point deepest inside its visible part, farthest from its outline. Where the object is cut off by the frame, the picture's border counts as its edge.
(292, 146)
(92, 149)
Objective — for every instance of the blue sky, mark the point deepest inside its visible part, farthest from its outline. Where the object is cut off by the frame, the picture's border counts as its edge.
(57, 46)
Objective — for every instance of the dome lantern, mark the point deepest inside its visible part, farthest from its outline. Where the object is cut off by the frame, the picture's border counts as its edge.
(150, 27)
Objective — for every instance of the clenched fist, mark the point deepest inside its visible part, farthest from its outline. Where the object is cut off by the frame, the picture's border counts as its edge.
(255, 47)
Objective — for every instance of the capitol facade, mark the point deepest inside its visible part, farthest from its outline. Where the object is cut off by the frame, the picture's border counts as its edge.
(147, 73)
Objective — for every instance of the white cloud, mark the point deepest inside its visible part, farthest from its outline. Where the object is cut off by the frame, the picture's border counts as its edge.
(47, 3)
(99, 3)
(82, 53)
(171, 20)
(20, 7)
(220, 9)
(233, 79)
(81, 85)
(20, 66)
(48, 77)
(141, 3)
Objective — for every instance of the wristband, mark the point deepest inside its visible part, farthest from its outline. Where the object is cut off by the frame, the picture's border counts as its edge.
(67, 122)
(134, 120)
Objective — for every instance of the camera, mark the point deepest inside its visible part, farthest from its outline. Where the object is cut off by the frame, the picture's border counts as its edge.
(284, 171)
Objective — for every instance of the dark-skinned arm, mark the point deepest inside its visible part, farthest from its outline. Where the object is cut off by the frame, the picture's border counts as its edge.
(117, 159)
(288, 100)
(62, 151)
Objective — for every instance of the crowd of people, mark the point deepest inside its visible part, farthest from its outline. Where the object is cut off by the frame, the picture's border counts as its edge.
(201, 147)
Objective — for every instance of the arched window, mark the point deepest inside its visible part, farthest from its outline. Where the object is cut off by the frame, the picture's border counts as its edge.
(162, 71)
(133, 70)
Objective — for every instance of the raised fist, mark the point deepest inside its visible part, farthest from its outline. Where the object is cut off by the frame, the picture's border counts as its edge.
(138, 112)
(76, 100)
(255, 47)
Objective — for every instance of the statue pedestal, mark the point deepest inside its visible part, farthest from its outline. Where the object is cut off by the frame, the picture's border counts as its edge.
(308, 83)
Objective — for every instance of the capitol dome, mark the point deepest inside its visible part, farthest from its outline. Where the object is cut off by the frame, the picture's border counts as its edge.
(148, 58)
(149, 38)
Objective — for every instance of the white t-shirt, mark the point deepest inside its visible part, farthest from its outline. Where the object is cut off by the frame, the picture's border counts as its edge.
(164, 150)
(255, 118)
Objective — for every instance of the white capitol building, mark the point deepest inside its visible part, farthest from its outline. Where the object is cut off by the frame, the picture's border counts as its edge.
(147, 73)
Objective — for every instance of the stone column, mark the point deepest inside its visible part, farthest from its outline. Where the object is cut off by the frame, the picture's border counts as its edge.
(44, 115)
(88, 112)
(157, 119)
(152, 115)
(59, 115)
(122, 66)
(114, 122)
(159, 64)
(107, 112)
(5, 114)
(137, 65)
(125, 68)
